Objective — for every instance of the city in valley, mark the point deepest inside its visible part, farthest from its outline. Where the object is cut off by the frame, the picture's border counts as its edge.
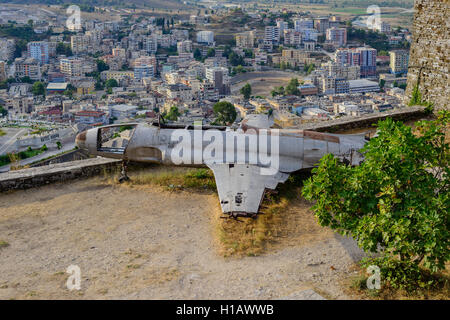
(321, 73)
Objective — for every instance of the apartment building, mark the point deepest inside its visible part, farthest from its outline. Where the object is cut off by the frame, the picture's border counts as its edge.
(27, 67)
(399, 60)
(38, 50)
(71, 67)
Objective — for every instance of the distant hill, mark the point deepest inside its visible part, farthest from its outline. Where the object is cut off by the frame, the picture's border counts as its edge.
(163, 4)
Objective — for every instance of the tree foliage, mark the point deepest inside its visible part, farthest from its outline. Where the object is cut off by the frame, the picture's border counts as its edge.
(111, 83)
(102, 66)
(246, 91)
(38, 88)
(292, 87)
(396, 203)
(173, 114)
(225, 113)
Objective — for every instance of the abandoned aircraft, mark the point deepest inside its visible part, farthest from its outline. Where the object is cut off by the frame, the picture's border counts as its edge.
(246, 162)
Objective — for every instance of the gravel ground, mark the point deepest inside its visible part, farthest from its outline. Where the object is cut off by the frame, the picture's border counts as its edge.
(147, 243)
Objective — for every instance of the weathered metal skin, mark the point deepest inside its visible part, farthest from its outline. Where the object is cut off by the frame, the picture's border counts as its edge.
(242, 171)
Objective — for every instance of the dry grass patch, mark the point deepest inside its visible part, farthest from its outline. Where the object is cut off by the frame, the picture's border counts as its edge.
(3, 244)
(170, 178)
(286, 220)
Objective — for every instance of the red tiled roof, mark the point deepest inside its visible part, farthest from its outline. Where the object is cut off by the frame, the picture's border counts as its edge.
(88, 113)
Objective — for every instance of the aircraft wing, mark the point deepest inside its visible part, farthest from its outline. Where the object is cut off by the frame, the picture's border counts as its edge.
(241, 186)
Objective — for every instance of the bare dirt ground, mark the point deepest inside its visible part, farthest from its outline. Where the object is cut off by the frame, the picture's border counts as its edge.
(270, 80)
(141, 242)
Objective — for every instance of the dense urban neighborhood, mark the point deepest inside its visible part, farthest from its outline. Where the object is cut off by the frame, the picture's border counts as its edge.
(58, 78)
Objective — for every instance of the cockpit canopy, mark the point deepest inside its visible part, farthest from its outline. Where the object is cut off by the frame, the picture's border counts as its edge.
(114, 139)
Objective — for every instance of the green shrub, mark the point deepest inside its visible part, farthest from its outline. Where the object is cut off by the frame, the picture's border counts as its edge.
(396, 203)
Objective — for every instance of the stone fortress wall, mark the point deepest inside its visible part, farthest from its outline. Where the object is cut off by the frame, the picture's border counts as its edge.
(429, 61)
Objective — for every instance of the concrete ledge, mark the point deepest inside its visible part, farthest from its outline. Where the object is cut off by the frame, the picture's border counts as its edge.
(404, 114)
(33, 177)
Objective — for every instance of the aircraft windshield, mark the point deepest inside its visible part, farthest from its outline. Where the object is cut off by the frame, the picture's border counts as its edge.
(115, 139)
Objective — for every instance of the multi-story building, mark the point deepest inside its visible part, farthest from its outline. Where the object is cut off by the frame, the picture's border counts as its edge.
(146, 60)
(272, 35)
(27, 67)
(345, 71)
(184, 46)
(91, 117)
(79, 43)
(119, 76)
(179, 91)
(205, 37)
(363, 86)
(245, 39)
(309, 34)
(282, 25)
(2, 71)
(7, 47)
(219, 77)
(208, 92)
(71, 67)
(337, 36)
(39, 51)
(292, 38)
(341, 86)
(293, 58)
(302, 24)
(365, 57)
(150, 44)
(119, 53)
(399, 61)
(322, 24)
(143, 71)
(382, 27)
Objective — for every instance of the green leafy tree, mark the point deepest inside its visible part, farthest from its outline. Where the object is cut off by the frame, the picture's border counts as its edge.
(62, 48)
(102, 66)
(211, 53)
(225, 113)
(246, 91)
(198, 54)
(278, 91)
(111, 83)
(173, 114)
(3, 111)
(38, 88)
(292, 87)
(396, 203)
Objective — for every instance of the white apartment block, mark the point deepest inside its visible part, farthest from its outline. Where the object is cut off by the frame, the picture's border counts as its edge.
(205, 37)
(150, 44)
(71, 67)
(302, 24)
(272, 35)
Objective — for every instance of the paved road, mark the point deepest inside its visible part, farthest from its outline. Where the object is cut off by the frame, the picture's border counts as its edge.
(4, 147)
(50, 153)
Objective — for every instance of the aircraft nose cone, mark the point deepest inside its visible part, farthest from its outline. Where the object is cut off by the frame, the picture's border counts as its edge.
(81, 140)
